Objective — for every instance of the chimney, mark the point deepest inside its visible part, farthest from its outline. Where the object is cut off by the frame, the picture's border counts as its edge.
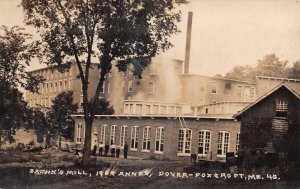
(188, 43)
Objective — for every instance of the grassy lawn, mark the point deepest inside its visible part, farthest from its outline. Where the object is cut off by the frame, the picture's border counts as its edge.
(21, 174)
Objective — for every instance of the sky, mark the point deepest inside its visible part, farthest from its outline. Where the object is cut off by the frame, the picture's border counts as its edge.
(225, 33)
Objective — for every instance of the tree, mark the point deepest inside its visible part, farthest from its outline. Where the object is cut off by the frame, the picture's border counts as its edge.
(103, 107)
(245, 73)
(294, 71)
(270, 66)
(59, 116)
(129, 32)
(15, 53)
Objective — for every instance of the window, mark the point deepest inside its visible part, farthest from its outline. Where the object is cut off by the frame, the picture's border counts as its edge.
(70, 83)
(184, 141)
(56, 88)
(138, 108)
(214, 86)
(103, 138)
(51, 87)
(163, 110)
(201, 101)
(129, 86)
(123, 86)
(66, 83)
(246, 92)
(239, 91)
(146, 138)
(223, 143)
(159, 139)
(60, 87)
(281, 108)
(147, 109)
(150, 87)
(202, 86)
(252, 92)
(237, 146)
(112, 134)
(123, 136)
(81, 101)
(79, 132)
(134, 137)
(204, 142)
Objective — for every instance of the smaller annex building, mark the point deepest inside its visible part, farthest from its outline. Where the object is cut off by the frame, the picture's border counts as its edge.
(165, 137)
(272, 124)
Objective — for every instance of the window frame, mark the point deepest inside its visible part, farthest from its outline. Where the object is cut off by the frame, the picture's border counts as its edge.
(134, 138)
(112, 137)
(224, 146)
(159, 140)
(146, 139)
(123, 138)
(185, 144)
(204, 142)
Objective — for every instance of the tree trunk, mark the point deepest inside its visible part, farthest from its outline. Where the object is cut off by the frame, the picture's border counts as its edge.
(87, 142)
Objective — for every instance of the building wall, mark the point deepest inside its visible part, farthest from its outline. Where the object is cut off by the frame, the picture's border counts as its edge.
(260, 128)
(171, 127)
(203, 90)
(265, 84)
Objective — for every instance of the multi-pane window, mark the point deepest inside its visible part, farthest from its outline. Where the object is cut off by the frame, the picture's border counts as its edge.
(239, 91)
(60, 85)
(123, 135)
(237, 146)
(252, 92)
(159, 139)
(103, 138)
(202, 86)
(112, 134)
(150, 87)
(123, 86)
(70, 83)
(214, 86)
(246, 92)
(79, 132)
(204, 142)
(281, 108)
(134, 137)
(129, 86)
(223, 143)
(146, 138)
(66, 83)
(184, 140)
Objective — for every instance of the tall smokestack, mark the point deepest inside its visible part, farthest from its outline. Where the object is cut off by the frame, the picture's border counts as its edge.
(188, 43)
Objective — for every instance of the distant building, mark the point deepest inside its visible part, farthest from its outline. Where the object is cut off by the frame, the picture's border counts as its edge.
(272, 123)
(163, 90)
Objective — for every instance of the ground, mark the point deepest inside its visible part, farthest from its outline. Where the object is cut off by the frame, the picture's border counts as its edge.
(31, 174)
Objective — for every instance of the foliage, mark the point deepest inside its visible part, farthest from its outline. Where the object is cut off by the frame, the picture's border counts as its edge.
(15, 53)
(59, 115)
(103, 107)
(129, 32)
(270, 66)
